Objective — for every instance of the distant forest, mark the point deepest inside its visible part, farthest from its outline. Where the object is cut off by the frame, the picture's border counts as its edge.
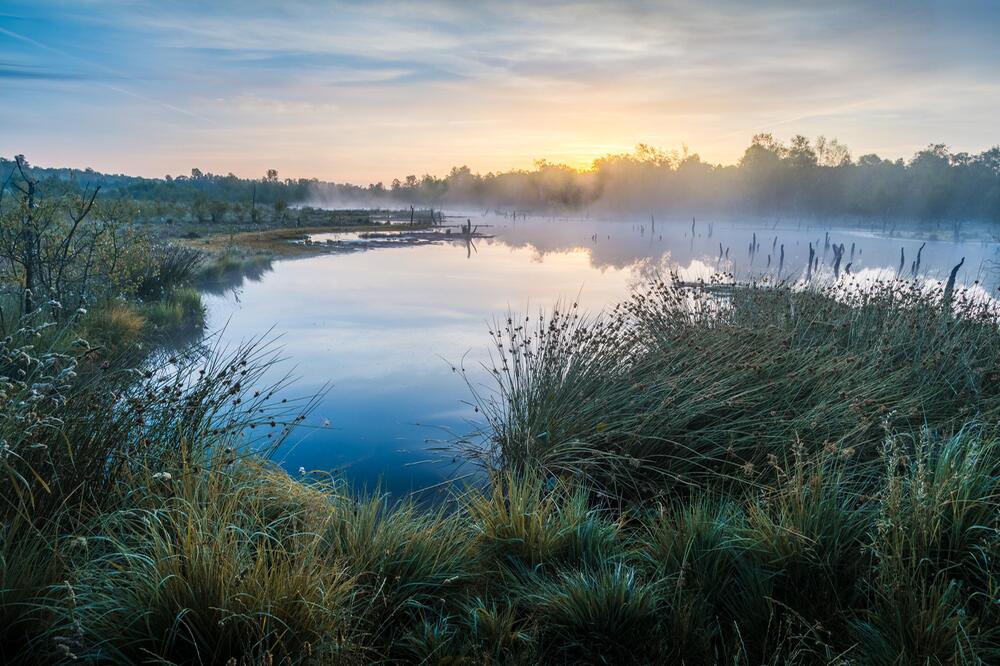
(800, 178)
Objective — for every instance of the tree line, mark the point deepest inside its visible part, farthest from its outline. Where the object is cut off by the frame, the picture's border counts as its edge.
(817, 178)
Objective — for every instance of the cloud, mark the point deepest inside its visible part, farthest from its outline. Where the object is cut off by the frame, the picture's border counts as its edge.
(14, 71)
(522, 79)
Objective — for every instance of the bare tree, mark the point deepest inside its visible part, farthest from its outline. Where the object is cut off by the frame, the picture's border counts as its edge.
(67, 250)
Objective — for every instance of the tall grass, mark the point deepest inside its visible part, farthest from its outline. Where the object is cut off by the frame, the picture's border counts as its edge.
(680, 386)
(180, 309)
(204, 576)
(643, 505)
(73, 430)
(168, 266)
(236, 560)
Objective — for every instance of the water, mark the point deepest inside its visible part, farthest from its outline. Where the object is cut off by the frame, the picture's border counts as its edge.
(386, 326)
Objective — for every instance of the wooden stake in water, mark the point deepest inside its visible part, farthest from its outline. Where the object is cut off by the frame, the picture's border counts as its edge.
(916, 264)
(950, 287)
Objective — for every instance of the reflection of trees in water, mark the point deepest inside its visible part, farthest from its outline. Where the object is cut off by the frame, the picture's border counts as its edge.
(174, 340)
(232, 276)
(779, 249)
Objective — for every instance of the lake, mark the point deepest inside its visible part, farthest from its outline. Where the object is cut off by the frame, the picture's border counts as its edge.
(386, 326)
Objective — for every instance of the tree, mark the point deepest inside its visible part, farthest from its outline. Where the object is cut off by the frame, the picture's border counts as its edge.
(217, 209)
(831, 153)
(280, 206)
(63, 250)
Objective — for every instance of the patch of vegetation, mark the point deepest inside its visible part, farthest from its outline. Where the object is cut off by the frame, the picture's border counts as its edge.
(692, 386)
(74, 258)
(238, 561)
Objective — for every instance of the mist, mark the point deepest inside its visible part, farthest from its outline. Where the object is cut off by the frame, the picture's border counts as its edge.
(801, 178)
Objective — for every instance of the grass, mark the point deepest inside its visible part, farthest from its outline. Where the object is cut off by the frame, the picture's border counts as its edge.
(127, 330)
(240, 561)
(676, 387)
(180, 308)
(776, 477)
(201, 574)
(115, 325)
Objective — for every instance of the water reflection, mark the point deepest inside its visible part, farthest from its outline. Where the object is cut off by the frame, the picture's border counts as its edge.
(387, 326)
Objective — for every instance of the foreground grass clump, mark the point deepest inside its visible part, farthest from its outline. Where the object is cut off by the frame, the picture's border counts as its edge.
(114, 325)
(203, 574)
(680, 386)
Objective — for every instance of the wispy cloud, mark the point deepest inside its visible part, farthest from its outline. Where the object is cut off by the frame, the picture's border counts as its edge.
(367, 90)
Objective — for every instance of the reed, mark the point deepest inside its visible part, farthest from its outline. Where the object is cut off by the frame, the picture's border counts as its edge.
(683, 385)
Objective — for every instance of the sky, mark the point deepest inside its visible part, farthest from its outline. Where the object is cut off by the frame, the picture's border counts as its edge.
(369, 91)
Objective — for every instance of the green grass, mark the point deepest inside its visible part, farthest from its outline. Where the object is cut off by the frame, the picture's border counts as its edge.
(181, 308)
(689, 480)
(203, 575)
(677, 387)
(237, 560)
(241, 561)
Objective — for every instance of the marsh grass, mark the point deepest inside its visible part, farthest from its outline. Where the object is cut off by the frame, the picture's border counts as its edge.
(204, 576)
(167, 267)
(521, 522)
(835, 501)
(236, 560)
(182, 308)
(679, 386)
(115, 325)
(602, 616)
(32, 563)
(411, 566)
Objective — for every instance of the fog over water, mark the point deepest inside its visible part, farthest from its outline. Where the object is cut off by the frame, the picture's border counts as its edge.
(387, 326)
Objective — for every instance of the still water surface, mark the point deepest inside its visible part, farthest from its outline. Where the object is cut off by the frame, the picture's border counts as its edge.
(386, 326)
